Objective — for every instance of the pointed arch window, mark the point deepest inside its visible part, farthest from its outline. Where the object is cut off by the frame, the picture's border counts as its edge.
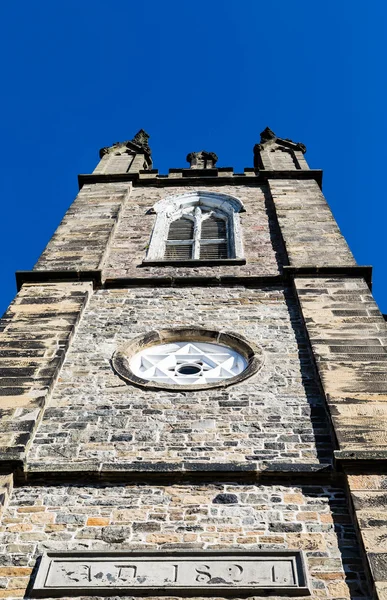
(197, 226)
(200, 235)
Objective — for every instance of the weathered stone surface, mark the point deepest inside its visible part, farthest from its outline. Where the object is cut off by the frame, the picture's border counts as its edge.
(280, 572)
(35, 333)
(381, 590)
(310, 233)
(128, 247)
(276, 415)
(81, 240)
(202, 159)
(187, 520)
(272, 426)
(274, 153)
(126, 157)
(6, 486)
(369, 497)
(349, 341)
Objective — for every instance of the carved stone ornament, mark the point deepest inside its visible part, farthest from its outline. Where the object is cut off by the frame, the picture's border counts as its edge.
(187, 359)
(138, 144)
(278, 572)
(202, 159)
(141, 139)
(268, 136)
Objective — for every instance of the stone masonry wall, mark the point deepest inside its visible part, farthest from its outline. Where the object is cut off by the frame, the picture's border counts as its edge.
(34, 335)
(310, 232)
(281, 159)
(261, 238)
(190, 517)
(349, 340)
(277, 157)
(193, 450)
(115, 163)
(369, 497)
(276, 415)
(81, 239)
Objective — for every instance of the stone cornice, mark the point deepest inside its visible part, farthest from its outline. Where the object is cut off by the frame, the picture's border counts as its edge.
(198, 177)
(286, 278)
(183, 472)
(55, 276)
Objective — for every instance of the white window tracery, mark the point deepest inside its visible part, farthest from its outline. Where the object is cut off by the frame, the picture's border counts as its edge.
(198, 233)
(192, 363)
(197, 226)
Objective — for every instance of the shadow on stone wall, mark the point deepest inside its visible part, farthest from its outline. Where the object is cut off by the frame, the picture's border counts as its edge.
(275, 231)
(316, 414)
(355, 577)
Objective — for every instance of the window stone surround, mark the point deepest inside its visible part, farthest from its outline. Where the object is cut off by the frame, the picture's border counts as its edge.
(173, 207)
(250, 351)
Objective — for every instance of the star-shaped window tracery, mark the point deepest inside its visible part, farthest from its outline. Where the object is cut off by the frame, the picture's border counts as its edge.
(182, 363)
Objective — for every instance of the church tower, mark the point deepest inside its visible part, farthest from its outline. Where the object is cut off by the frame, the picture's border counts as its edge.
(194, 391)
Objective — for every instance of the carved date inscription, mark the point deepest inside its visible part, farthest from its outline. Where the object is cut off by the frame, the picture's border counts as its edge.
(163, 573)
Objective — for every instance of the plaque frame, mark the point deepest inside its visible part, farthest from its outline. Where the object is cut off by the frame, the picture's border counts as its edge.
(40, 589)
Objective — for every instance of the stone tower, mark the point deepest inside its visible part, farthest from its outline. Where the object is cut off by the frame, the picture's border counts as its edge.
(193, 392)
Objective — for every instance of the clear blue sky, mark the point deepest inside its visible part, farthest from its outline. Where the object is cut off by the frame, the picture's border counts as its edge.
(81, 74)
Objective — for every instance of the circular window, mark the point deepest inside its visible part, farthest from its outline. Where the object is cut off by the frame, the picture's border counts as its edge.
(187, 359)
(182, 363)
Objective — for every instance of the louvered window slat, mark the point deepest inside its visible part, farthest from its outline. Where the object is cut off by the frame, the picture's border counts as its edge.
(180, 240)
(212, 245)
(182, 229)
(213, 251)
(213, 228)
(176, 252)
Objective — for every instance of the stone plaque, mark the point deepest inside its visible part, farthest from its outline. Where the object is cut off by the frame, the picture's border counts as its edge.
(206, 573)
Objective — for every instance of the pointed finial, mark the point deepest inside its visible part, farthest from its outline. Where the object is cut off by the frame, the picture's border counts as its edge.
(267, 134)
(141, 139)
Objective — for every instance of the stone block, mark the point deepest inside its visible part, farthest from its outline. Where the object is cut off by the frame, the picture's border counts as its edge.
(53, 310)
(351, 380)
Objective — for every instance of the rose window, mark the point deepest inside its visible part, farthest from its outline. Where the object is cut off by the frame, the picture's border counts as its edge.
(186, 358)
(182, 363)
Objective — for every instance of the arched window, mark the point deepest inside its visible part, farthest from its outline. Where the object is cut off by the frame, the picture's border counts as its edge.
(197, 226)
(179, 245)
